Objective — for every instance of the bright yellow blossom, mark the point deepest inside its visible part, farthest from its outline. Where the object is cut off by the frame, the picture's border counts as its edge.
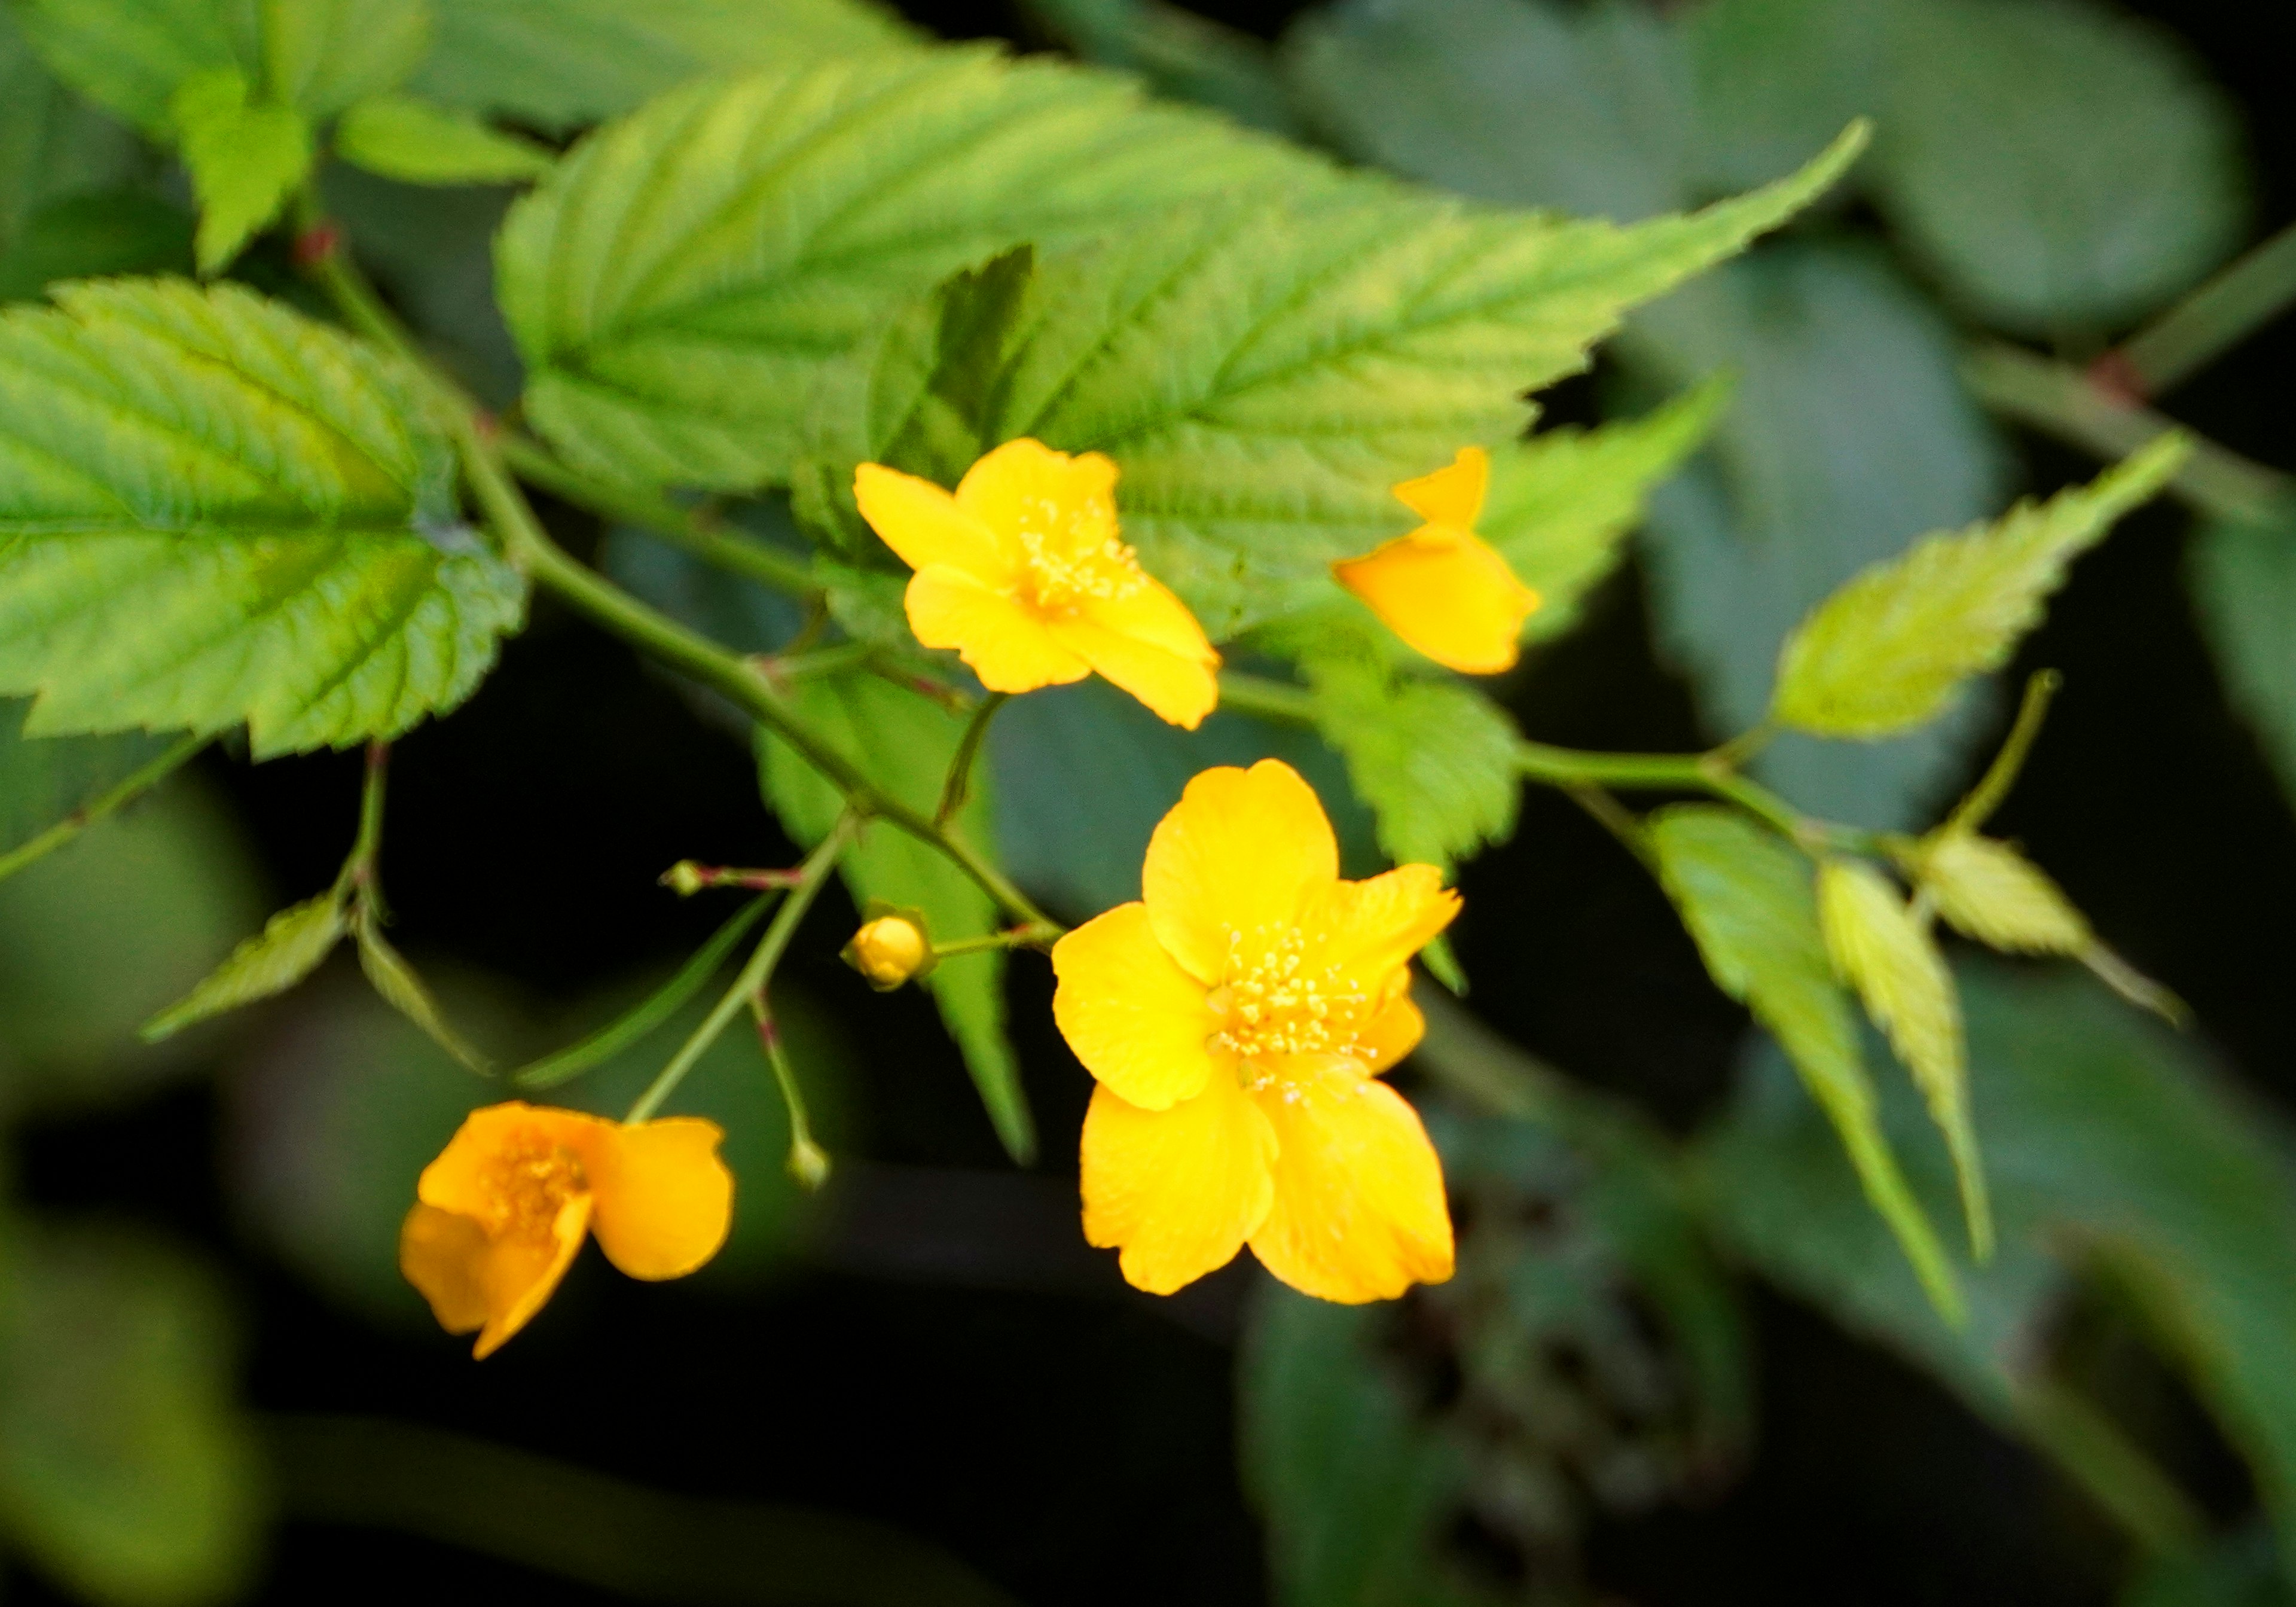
(889, 951)
(1022, 573)
(1238, 1018)
(1443, 588)
(504, 1207)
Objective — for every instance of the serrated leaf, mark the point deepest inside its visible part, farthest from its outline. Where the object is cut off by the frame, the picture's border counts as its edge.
(2057, 164)
(417, 142)
(1562, 503)
(405, 991)
(1435, 759)
(213, 510)
(1887, 651)
(904, 742)
(126, 1471)
(1748, 902)
(812, 203)
(557, 63)
(130, 56)
(289, 947)
(245, 156)
(1989, 891)
(321, 56)
(1879, 949)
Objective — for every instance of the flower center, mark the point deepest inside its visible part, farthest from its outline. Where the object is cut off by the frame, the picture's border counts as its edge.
(1275, 1001)
(528, 1182)
(1062, 571)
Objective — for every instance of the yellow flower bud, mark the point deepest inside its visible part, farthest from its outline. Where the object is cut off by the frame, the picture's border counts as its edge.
(685, 879)
(889, 951)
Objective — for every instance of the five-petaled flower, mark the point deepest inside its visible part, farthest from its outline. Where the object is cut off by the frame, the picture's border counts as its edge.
(505, 1209)
(1443, 588)
(1238, 1018)
(1022, 571)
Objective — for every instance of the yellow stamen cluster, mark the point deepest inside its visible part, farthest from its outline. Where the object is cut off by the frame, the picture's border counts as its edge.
(1273, 1003)
(1062, 577)
(530, 1180)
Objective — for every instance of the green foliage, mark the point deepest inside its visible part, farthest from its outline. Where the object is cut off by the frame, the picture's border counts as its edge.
(216, 512)
(51, 143)
(2242, 577)
(246, 157)
(124, 1470)
(43, 780)
(1182, 54)
(1772, 77)
(904, 743)
(130, 56)
(404, 991)
(1880, 949)
(290, 946)
(2101, 176)
(1748, 902)
(104, 233)
(323, 56)
(1888, 650)
(1435, 759)
(557, 63)
(1989, 891)
(404, 138)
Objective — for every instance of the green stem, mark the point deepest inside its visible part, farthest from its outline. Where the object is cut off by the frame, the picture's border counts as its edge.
(102, 807)
(1269, 700)
(681, 527)
(808, 1162)
(968, 749)
(2218, 316)
(757, 973)
(2063, 402)
(1974, 810)
(358, 877)
(1020, 937)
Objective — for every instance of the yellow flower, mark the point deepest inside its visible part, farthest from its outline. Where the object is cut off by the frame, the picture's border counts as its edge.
(1237, 1020)
(888, 951)
(505, 1209)
(1021, 572)
(1443, 588)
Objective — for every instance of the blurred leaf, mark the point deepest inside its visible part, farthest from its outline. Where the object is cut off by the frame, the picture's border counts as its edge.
(320, 589)
(1184, 56)
(2058, 164)
(1849, 434)
(1748, 902)
(96, 235)
(43, 779)
(688, 357)
(1888, 650)
(124, 1470)
(246, 156)
(1435, 759)
(98, 936)
(2238, 1569)
(904, 743)
(405, 991)
(321, 56)
(51, 143)
(1891, 960)
(292, 946)
(1774, 78)
(1562, 503)
(130, 56)
(2242, 580)
(556, 64)
(1989, 891)
(400, 137)
(1521, 102)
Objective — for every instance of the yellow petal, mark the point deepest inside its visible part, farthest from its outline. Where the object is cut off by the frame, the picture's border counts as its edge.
(1137, 1021)
(520, 1274)
(1371, 929)
(463, 1178)
(1451, 496)
(442, 1253)
(665, 1201)
(1068, 503)
(926, 525)
(1393, 1033)
(1359, 1213)
(1447, 593)
(1007, 644)
(1180, 690)
(1178, 1191)
(1242, 849)
(1149, 613)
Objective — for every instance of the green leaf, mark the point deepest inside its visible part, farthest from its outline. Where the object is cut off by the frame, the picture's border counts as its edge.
(130, 56)
(558, 63)
(2057, 164)
(1888, 650)
(217, 511)
(1562, 503)
(246, 157)
(1749, 903)
(813, 202)
(2243, 578)
(53, 145)
(1435, 759)
(289, 947)
(405, 991)
(1774, 77)
(321, 56)
(107, 233)
(127, 1472)
(1183, 56)
(1989, 891)
(417, 142)
(43, 780)
(904, 743)
(1879, 949)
